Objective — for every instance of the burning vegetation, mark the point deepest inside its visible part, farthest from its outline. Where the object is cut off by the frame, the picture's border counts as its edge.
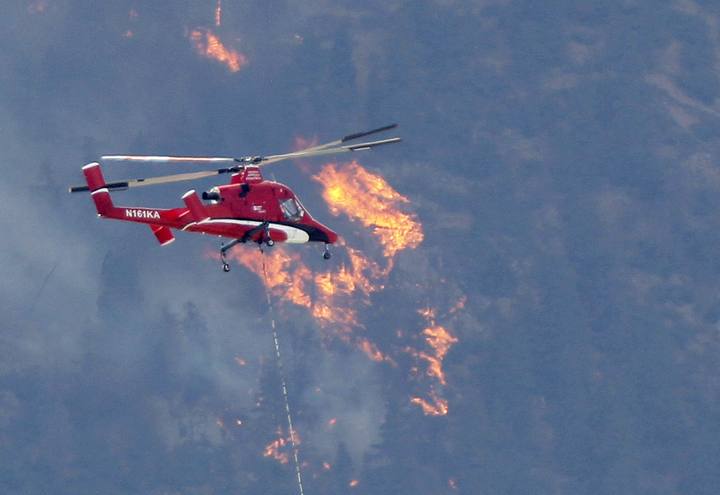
(336, 296)
(367, 198)
(280, 448)
(439, 341)
(208, 45)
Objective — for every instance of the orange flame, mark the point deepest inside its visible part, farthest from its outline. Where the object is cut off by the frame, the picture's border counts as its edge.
(210, 46)
(278, 449)
(353, 483)
(369, 199)
(273, 450)
(436, 406)
(335, 296)
(287, 275)
(372, 351)
(427, 313)
(330, 296)
(218, 13)
(440, 341)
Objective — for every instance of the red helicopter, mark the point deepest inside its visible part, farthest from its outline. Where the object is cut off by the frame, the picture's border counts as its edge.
(248, 209)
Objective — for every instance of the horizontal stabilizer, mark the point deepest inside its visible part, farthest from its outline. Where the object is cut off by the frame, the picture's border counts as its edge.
(163, 234)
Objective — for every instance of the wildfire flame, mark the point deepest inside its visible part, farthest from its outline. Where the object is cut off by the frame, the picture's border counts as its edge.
(287, 275)
(279, 449)
(333, 302)
(372, 351)
(369, 199)
(335, 296)
(439, 340)
(209, 45)
(436, 406)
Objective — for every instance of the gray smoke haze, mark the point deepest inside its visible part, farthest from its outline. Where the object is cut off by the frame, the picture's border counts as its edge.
(561, 156)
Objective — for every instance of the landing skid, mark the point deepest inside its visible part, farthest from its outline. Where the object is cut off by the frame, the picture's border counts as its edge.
(264, 239)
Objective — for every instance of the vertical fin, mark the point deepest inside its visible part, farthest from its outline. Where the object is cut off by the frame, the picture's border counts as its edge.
(96, 184)
(196, 208)
(163, 234)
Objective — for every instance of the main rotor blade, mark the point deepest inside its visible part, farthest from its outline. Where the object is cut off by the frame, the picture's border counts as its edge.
(317, 151)
(255, 159)
(166, 159)
(350, 137)
(236, 164)
(162, 179)
(357, 135)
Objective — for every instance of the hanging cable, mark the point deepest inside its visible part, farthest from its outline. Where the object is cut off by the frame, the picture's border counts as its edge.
(282, 379)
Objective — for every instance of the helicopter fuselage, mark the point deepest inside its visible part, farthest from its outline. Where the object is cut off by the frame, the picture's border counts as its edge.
(249, 209)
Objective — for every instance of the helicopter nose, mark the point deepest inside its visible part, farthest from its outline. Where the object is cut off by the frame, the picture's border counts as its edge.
(332, 236)
(323, 234)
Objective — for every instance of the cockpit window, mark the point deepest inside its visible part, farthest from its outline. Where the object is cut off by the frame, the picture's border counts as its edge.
(291, 209)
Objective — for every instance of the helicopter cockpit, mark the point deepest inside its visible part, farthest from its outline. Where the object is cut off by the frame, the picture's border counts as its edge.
(291, 209)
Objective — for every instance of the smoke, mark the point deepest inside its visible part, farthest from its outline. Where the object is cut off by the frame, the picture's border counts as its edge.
(154, 333)
(345, 395)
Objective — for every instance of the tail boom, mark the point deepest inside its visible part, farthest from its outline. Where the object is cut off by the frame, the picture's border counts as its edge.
(155, 217)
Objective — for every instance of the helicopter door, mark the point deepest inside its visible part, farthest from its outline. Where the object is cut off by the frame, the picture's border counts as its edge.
(260, 202)
(260, 208)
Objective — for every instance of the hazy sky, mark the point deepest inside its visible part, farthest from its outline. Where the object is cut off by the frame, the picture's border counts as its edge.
(560, 157)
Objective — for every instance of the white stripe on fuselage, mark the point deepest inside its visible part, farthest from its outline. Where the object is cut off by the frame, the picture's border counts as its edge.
(294, 235)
